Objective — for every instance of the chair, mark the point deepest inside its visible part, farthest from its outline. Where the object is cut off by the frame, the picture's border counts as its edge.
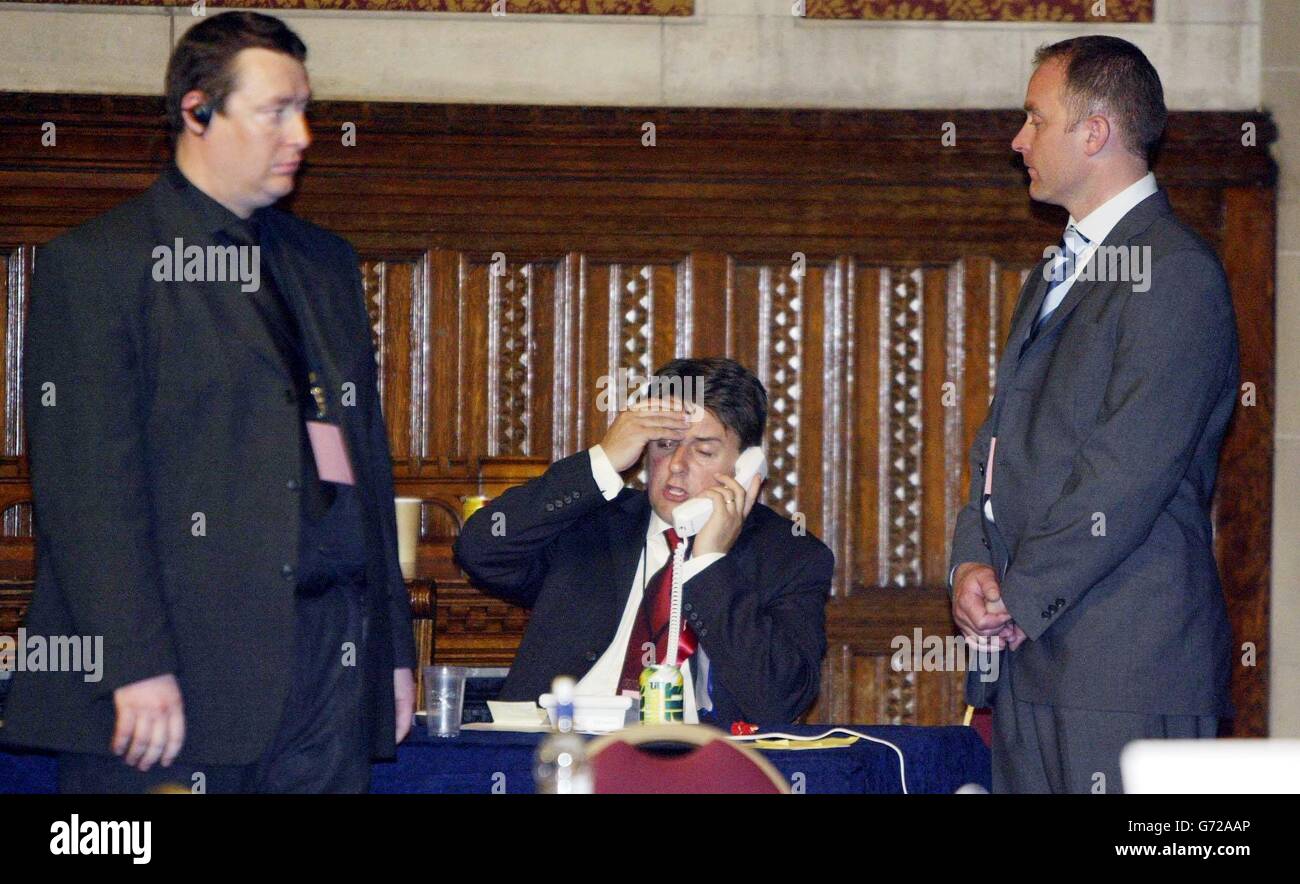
(680, 759)
(982, 722)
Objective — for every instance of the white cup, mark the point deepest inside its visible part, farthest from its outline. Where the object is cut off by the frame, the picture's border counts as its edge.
(408, 532)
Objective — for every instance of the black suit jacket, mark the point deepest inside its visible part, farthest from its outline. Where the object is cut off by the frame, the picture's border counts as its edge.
(561, 549)
(172, 400)
(1109, 425)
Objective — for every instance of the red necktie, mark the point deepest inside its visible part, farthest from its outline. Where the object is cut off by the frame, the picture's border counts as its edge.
(651, 624)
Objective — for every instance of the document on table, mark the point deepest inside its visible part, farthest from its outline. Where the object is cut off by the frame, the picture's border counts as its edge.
(514, 716)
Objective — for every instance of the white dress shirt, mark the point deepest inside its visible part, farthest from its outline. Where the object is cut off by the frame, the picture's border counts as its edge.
(603, 678)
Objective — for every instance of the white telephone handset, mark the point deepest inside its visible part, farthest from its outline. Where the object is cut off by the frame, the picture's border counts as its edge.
(689, 517)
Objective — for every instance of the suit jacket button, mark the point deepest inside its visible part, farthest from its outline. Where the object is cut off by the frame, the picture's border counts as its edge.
(591, 656)
(981, 468)
(1047, 615)
(286, 571)
(577, 494)
(686, 607)
(985, 541)
(292, 484)
(1060, 602)
(550, 507)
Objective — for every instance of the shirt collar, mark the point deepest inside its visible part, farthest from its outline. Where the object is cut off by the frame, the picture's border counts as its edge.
(1102, 220)
(657, 527)
(212, 216)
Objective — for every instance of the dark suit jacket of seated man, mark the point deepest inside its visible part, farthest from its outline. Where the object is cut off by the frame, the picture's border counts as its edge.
(570, 545)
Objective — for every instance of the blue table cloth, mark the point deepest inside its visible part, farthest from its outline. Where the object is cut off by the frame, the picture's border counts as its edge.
(938, 760)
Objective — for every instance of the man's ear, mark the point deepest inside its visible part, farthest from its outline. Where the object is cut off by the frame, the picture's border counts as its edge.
(1097, 133)
(196, 111)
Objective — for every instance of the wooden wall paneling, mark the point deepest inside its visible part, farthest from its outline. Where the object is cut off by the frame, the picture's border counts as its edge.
(514, 315)
(808, 393)
(568, 392)
(782, 318)
(542, 369)
(619, 256)
(663, 283)
(868, 382)
(902, 300)
(1010, 281)
(974, 356)
(954, 427)
(708, 299)
(474, 293)
(15, 277)
(597, 345)
(442, 361)
(1243, 514)
(936, 454)
(743, 317)
(16, 266)
(838, 419)
(396, 299)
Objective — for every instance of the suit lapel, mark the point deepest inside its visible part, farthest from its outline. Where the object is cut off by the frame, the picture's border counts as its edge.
(291, 276)
(1031, 301)
(630, 518)
(1138, 219)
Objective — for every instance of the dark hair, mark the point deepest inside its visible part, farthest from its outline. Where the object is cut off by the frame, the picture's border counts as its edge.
(1107, 72)
(204, 57)
(727, 389)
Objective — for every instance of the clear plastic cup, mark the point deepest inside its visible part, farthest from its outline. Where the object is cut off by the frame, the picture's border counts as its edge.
(444, 699)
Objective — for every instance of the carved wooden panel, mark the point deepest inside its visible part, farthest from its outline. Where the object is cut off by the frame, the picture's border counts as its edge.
(518, 261)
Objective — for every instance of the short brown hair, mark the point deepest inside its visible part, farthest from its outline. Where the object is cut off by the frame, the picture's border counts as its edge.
(1107, 72)
(727, 388)
(204, 57)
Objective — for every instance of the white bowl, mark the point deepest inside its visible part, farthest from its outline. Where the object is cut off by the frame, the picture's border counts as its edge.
(593, 715)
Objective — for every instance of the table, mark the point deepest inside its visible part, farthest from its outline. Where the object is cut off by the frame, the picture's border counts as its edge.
(938, 759)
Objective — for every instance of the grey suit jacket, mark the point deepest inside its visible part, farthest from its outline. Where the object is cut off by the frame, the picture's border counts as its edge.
(1108, 430)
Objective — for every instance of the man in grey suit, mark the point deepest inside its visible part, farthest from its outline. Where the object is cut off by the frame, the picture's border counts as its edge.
(1085, 552)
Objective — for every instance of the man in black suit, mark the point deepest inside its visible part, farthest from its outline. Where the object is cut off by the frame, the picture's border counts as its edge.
(1087, 545)
(210, 467)
(591, 558)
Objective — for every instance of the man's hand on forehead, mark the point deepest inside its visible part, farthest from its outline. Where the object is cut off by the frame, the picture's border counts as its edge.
(644, 422)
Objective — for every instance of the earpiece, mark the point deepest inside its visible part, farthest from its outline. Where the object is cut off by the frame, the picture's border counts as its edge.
(203, 113)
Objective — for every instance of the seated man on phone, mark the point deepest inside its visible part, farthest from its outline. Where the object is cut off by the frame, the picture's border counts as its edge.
(592, 559)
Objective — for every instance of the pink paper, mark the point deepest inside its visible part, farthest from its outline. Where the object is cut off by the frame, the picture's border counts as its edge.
(331, 452)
